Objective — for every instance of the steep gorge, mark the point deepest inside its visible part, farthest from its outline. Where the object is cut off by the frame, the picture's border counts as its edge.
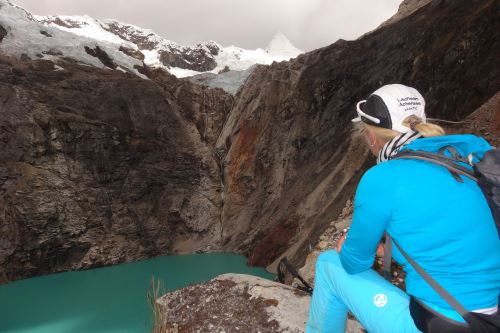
(99, 167)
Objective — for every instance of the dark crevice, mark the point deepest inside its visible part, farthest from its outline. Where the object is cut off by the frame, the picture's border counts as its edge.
(101, 55)
(3, 33)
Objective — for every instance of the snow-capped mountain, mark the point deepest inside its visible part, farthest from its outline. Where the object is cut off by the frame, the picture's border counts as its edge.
(23, 36)
(280, 46)
(128, 47)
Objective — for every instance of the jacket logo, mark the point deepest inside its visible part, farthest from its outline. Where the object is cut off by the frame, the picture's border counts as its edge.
(380, 300)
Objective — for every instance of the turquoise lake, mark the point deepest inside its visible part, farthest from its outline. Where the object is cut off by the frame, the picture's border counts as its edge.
(107, 300)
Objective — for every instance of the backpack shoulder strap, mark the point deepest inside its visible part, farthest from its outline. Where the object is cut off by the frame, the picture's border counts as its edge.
(478, 322)
(433, 283)
(387, 257)
(450, 163)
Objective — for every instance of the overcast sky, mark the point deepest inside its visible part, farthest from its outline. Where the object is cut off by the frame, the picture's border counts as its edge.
(309, 24)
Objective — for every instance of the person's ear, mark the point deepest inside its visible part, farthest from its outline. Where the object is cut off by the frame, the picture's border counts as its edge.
(372, 139)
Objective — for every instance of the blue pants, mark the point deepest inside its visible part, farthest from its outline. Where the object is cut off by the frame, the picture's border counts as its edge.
(378, 305)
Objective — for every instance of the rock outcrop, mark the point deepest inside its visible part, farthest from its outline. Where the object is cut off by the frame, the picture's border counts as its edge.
(406, 8)
(198, 58)
(239, 303)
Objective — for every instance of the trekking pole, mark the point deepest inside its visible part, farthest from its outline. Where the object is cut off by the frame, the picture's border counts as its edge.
(307, 288)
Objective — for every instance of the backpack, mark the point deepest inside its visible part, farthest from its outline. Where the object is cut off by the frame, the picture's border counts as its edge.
(486, 173)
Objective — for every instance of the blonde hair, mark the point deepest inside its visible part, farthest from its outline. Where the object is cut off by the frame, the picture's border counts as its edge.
(416, 124)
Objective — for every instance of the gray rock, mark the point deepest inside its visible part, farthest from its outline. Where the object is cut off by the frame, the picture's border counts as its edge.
(238, 302)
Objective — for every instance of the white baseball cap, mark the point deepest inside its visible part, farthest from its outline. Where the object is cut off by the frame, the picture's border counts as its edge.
(389, 106)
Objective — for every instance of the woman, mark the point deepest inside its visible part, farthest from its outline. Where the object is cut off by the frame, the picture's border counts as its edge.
(445, 225)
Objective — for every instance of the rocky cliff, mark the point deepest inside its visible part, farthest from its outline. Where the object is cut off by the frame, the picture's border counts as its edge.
(291, 159)
(99, 166)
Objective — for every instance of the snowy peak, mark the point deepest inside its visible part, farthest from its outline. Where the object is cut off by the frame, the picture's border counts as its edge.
(27, 38)
(281, 46)
(117, 45)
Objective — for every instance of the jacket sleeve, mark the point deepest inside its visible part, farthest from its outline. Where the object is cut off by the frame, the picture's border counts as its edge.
(372, 213)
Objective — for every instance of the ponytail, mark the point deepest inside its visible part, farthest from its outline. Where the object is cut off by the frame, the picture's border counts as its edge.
(427, 130)
(414, 123)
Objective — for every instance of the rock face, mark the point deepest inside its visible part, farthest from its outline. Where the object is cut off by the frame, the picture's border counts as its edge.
(239, 303)
(485, 121)
(100, 167)
(290, 157)
(406, 8)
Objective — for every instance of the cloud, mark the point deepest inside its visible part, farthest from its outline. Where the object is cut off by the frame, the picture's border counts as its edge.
(309, 24)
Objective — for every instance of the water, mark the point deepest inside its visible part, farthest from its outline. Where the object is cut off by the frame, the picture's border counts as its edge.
(107, 300)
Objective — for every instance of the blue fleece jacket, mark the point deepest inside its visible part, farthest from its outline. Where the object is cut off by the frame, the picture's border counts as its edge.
(444, 225)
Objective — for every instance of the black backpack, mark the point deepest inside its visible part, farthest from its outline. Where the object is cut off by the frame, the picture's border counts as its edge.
(487, 174)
